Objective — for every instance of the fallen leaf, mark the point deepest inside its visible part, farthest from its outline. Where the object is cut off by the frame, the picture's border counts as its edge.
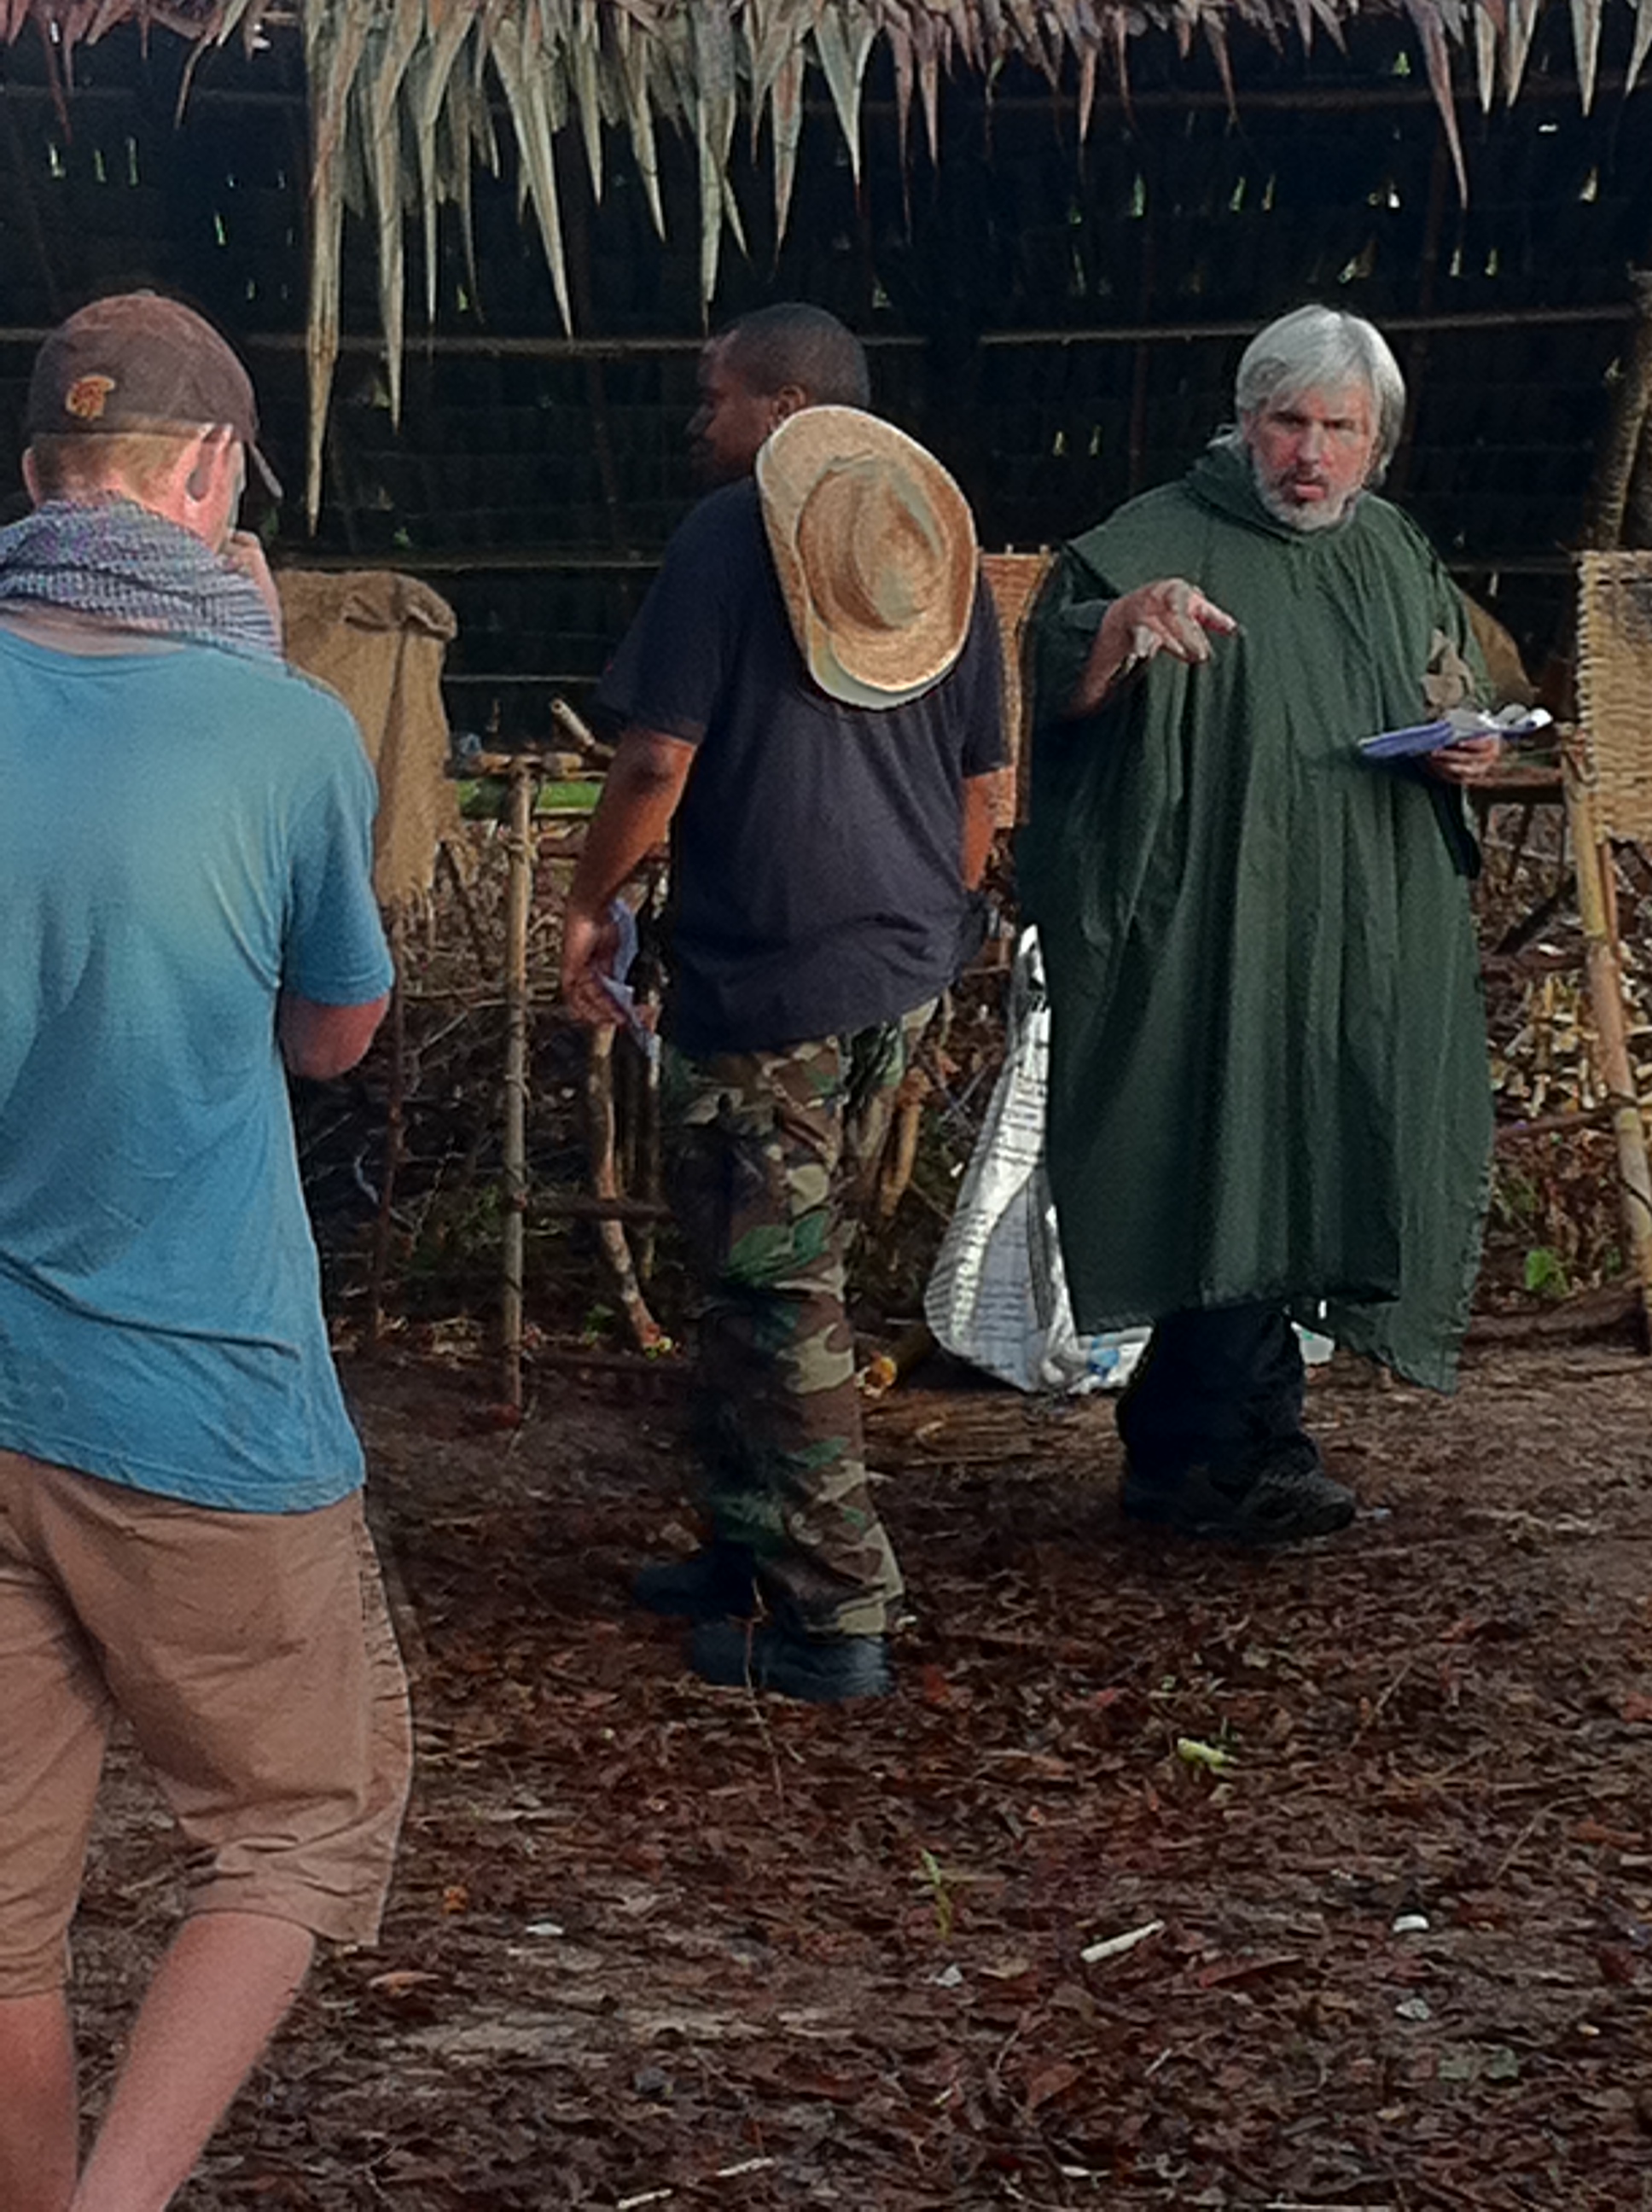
(1008, 1970)
(400, 1980)
(1225, 1972)
(1210, 1756)
(1052, 2081)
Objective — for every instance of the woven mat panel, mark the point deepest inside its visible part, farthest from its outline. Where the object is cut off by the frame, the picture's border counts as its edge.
(1015, 579)
(379, 639)
(1614, 687)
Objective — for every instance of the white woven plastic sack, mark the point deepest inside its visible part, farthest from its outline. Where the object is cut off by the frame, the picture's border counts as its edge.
(997, 1296)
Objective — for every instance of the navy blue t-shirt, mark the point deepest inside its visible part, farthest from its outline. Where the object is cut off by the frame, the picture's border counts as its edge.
(815, 885)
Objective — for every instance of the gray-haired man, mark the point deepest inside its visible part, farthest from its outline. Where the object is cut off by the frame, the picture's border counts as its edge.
(1269, 1095)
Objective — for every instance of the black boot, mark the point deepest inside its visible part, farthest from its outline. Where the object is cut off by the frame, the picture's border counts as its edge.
(715, 1584)
(1280, 1497)
(822, 1670)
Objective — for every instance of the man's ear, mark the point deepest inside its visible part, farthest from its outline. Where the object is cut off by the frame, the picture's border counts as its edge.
(31, 477)
(199, 480)
(790, 399)
(214, 442)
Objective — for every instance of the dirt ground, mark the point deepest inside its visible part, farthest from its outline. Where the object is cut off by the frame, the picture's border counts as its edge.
(1376, 1812)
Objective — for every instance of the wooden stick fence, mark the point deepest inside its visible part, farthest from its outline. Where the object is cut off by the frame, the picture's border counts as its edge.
(519, 902)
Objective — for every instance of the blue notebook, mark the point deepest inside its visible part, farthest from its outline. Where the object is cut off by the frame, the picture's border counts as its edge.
(1461, 722)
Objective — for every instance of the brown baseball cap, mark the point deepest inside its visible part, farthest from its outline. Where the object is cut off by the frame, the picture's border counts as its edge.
(139, 361)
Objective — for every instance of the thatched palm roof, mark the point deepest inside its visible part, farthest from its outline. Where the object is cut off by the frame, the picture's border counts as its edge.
(406, 94)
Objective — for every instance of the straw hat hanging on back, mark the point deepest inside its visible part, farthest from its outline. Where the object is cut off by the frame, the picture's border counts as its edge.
(875, 547)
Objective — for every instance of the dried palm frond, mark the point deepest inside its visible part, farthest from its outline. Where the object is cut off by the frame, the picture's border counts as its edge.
(1586, 39)
(1643, 40)
(400, 95)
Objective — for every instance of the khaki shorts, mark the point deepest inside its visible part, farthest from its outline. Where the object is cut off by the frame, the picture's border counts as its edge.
(254, 1658)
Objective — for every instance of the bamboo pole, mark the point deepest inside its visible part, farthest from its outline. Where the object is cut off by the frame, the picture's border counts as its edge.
(1554, 1125)
(1592, 857)
(601, 1134)
(645, 1214)
(1400, 468)
(652, 1207)
(552, 560)
(1142, 367)
(395, 1133)
(1393, 92)
(1466, 320)
(519, 902)
(462, 345)
(1603, 522)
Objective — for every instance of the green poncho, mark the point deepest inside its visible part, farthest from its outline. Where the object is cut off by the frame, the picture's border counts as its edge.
(1269, 1073)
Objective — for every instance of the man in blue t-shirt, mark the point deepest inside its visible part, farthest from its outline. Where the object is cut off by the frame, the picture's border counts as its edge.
(186, 902)
(811, 700)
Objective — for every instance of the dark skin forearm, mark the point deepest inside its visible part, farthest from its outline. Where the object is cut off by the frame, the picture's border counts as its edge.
(641, 795)
(981, 799)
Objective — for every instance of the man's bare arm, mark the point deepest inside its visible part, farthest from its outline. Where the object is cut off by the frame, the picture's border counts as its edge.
(644, 787)
(321, 1041)
(980, 805)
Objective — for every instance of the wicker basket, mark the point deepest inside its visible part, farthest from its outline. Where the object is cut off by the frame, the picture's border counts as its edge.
(1015, 579)
(1614, 680)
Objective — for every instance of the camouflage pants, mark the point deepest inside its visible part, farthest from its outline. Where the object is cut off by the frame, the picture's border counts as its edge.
(769, 1155)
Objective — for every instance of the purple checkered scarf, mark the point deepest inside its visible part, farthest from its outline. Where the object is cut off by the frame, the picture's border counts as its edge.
(110, 556)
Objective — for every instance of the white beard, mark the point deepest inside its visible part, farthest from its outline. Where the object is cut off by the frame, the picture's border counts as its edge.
(1316, 515)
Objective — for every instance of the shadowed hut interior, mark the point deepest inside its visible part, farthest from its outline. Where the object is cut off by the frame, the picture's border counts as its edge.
(1053, 234)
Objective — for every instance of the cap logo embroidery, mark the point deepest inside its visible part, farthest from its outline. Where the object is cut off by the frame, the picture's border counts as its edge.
(87, 398)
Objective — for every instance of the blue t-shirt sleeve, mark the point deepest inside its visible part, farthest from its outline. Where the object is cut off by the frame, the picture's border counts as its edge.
(674, 662)
(333, 949)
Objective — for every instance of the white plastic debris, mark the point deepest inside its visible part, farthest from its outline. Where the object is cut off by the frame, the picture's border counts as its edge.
(613, 981)
(1411, 1924)
(1114, 1947)
(1412, 2008)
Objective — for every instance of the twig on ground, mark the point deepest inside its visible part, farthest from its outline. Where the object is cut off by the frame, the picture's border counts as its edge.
(1517, 1846)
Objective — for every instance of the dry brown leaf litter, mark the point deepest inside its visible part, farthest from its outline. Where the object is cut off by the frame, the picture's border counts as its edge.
(653, 1944)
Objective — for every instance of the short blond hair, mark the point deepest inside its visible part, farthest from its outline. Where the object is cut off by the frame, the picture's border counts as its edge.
(134, 461)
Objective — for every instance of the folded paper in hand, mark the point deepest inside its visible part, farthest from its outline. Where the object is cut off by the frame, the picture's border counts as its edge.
(614, 982)
(1453, 727)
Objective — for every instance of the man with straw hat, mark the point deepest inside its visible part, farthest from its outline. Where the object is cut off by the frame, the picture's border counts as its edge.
(186, 902)
(810, 699)
(1269, 1096)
